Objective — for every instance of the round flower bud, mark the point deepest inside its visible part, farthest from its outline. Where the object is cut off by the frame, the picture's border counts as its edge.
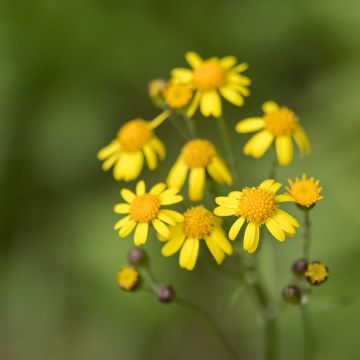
(137, 256)
(299, 267)
(128, 278)
(156, 92)
(165, 293)
(316, 273)
(291, 294)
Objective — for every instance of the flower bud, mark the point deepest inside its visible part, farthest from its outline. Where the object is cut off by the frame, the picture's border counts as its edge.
(316, 273)
(165, 293)
(299, 267)
(291, 294)
(137, 256)
(156, 92)
(128, 278)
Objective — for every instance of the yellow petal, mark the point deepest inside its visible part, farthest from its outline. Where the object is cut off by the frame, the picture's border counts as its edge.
(275, 229)
(256, 242)
(109, 162)
(219, 171)
(108, 150)
(141, 233)
(127, 228)
(218, 235)
(174, 244)
(168, 199)
(222, 211)
(258, 144)
(150, 157)
(122, 208)
(275, 187)
(215, 250)
(250, 125)
(161, 228)
(158, 147)
(140, 187)
(235, 194)
(284, 150)
(133, 163)
(236, 79)
(176, 216)
(163, 216)
(240, 68)
(235, 228)
(227, 202)
(266, 184)
(284, 225)
(159, 119)
(182, 75)
(127, 195)
(157, 189)
(302, 140)
(193, 59)
(284, 198)
(196, 183)
(251, 233)
(121, 222)
(210, 104)
(119, 169)
(189, 253)
(232, 96)
(194, 105)
(269, 107)
(288, 217)
(228, 62)
(177, 174)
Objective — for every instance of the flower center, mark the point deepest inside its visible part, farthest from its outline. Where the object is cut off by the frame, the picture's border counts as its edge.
(305, 192)
(144, 208)
(281, 122)
(127, 278)
(197, 222)
(209, 76)
(178, 95)
(256, 205)
(134, 135)
(198, 153)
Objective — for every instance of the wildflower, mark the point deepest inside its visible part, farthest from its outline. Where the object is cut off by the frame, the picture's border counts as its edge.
(279, 124)
(156, 91)
(199, 224)
(144, 209)
(128, 278)
(291, 294)
(211, 77)
(257, 206)
(198, 156)
(316, 273)
(134, 140)
(177, 95)
(165, 293)
(306, 192)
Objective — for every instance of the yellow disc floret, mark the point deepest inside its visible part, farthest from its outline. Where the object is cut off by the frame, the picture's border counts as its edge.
(316, 272)
(198, 153)
(306, 192)
(134, 135)
(281, 122)
(144, 208)
(128, 278)
(197, 222)
(178, 96)
(209, 76)
(256, 205)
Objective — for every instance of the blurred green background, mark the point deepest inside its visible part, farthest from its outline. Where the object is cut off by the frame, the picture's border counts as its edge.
(71, 72)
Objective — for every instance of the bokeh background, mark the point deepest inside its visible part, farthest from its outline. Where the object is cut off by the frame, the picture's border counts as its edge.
(71, 72)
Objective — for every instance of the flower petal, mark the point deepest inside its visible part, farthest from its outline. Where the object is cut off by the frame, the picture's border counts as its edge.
(258, 144)
(228, 62)
(275, 229)
(196, 183)
(150, 157)
(161, 228)
(284, 150)
(133, 164)
(251, 233)
(269, 107)
(302, 140)
(127, 195)
(140, 187)
(232, 96)
(210, 104)
(250, 124)
(215, 250)
(122, 208)
(177, 174)
(182, 75)
(219, 171)
(223, 211)
(141, 233)
(127, 228)
(108, 150)
(158, 147)
(174, 244)
(235, 228)
(193, 59)
(189, 253)
(158, 188)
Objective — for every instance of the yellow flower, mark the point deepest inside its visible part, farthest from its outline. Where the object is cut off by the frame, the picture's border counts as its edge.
(134, 140)
(144, 209)
(306, 192)
(211, 77)
(128, 278)
(198, 156)
(257, 206)
(199, 224)
(177, 95)
(156, 88)
(279, 124)
(316, 272)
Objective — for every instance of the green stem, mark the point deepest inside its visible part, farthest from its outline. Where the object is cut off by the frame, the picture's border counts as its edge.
(227, 145)
(190, 126)
(305, 252)
(273, 168)
(178, 128)
(212, 323)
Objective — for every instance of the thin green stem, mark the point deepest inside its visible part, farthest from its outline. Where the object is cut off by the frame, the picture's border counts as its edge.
(190, 124)
(178, 128)
(305, 251)
(212, 323)
(227, 146)
(273, 168)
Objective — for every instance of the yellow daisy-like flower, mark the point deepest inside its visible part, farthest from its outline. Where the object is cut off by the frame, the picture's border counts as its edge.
(198, 156)
(316, 273)
(306, 192)
(128, 278)
(135, 139)
(144, 209)
(210, 78)
(199, 224)
(177, 95)
(279, 124)
(257, 206)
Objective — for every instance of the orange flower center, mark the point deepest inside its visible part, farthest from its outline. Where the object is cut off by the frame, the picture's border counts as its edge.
(281, 122)
(305, 192)
(198, 153)
(256, 205)
(209, 76)
(134, 135)
(178, 95)
(197, 222)
(144, 208)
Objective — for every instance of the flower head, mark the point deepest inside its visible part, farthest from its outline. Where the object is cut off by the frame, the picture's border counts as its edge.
(257, 206)
(306, 192)
(156, 88)
(210, 78)
(128, 278)
(278, 124)
(177, 96)
(135, 139)
(199, 224)
(198, 156)
(144, 209)
(316, 273)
